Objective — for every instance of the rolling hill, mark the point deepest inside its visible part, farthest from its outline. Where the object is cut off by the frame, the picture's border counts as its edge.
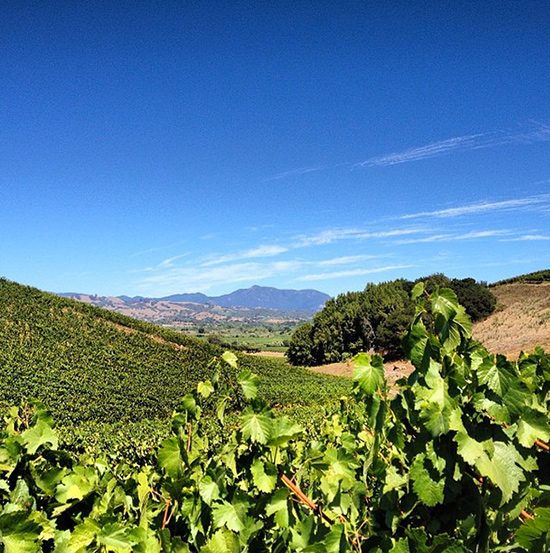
(91, 364)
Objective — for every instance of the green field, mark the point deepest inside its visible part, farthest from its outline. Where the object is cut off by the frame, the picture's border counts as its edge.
(249, 336)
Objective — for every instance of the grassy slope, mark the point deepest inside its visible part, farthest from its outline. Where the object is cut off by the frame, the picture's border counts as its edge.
(89, 364)
(521, 321)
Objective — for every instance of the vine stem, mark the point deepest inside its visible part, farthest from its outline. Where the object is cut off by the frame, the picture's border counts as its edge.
(189, 435)
(305, 499)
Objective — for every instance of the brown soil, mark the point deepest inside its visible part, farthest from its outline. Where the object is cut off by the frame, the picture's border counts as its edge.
(394, 370)
(268, 353)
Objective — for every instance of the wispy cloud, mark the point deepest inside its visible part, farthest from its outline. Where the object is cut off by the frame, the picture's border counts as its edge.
(473, 235)
(529, 202)
(260, 251)
(536, 132)
(202, 279)
(333, 235)
(156, 249)
(429, 150)
(351, 273)
(347, 260)
(170, 261)
(529, 237)
(303, 171)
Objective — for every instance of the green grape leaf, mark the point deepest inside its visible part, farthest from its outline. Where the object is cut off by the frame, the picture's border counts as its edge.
(279, 506)
(533, 534)
(205, 388)
(249, 384)
(256, 427)
(400, 546)
(471, 450)
(18, 534)
(169, 457)
(83, 535)
(225, 514)
(445, 302)
(494, 460)
(264, 475)
(417, 291)
(230, 358)
(503, 470)
(223, 541)
(394, 480)
(436, 418)
(532, 426)
(189, 404)
(495, 378)
(76, 484)
(116, 537)
(146, 541)
(39, 434)
(283, 430)
(428, 490)
(208, 490)
(368, 373)
(416, 344)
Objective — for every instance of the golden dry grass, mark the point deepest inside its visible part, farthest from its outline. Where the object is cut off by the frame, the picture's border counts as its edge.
(520, 322)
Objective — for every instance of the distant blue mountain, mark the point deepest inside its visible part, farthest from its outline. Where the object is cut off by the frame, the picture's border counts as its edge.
(193, 298)
(260, 296)
(255, 297)
(273, 298)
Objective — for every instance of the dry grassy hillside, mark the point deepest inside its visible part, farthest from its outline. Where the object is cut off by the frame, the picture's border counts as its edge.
(521, 320)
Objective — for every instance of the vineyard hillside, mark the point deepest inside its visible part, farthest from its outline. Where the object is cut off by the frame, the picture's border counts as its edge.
(521, 320)
(92, 365)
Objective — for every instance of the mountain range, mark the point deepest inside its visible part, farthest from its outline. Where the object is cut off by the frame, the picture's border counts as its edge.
(257, 302)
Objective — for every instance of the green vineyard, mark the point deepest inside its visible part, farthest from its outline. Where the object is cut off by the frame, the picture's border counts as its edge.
(456, 461)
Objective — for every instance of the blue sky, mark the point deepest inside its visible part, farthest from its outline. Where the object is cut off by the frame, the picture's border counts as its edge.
(161, 147)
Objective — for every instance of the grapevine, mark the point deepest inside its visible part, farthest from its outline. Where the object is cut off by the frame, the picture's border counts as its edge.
(456, 461)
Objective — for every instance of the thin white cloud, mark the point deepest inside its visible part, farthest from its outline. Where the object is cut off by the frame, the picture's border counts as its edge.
(351, 273)
(157, 249)
(170, 261)
(347, 260)
(518, 204)
(261, 251)
(473, 235)
(537, 132)
(529, 237)
(333, 235)
(430, 150)
(201, 279)
(303, 171)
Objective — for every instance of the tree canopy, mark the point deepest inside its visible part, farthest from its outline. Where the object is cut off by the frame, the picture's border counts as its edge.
(374, 319)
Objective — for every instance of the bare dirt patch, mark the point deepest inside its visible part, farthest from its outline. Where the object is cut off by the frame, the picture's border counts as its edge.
(268, 353)
(393, 370)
